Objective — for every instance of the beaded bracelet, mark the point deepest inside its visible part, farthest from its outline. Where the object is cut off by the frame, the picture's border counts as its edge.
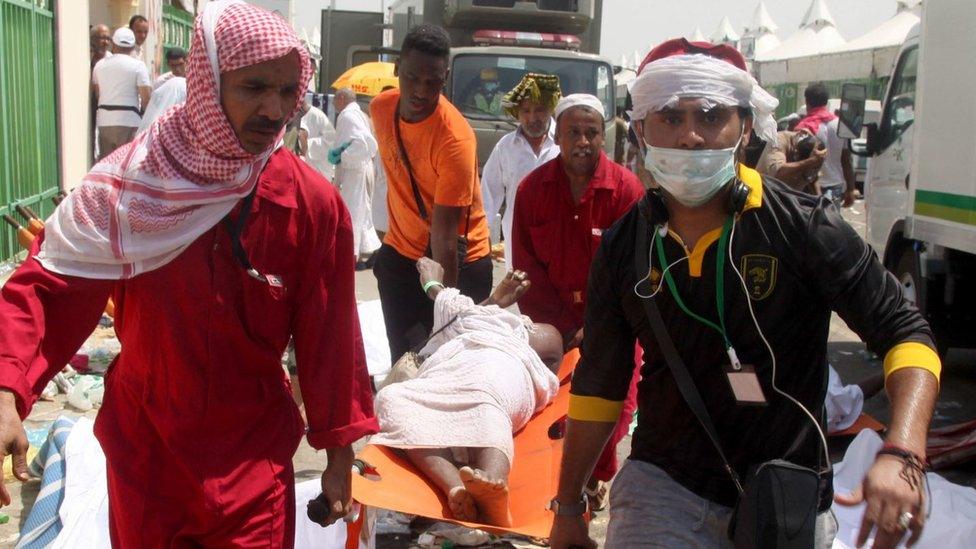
(913, 469)
(431, 284)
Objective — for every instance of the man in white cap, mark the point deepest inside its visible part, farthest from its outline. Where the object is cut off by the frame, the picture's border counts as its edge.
(517, 153)
(728, 280)
(122, 88)
(561, 210)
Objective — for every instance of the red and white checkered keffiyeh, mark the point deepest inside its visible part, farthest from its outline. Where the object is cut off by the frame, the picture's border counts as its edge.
(141, 206)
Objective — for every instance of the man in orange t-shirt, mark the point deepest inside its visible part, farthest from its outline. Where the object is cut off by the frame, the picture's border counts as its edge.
(434, 198)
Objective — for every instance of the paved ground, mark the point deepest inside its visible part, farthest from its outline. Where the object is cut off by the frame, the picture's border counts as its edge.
(846, 352)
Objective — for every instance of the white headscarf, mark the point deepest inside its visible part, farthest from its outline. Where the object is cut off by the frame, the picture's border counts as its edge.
(663, 82)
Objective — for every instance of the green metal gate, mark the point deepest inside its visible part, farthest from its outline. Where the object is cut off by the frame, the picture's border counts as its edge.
(177, 30)
(29, 173)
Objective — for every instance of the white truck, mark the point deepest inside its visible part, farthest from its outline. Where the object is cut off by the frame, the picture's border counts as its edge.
(921, 181)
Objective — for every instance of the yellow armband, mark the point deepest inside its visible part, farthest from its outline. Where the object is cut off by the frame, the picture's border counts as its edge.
(911, 354)
(589, 408)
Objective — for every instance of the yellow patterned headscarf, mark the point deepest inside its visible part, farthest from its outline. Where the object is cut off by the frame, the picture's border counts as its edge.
(541, 88)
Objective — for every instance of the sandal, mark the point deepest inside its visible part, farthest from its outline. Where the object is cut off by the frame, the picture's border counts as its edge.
(597, 497)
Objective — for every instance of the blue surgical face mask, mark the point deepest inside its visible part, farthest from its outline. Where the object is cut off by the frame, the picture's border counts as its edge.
(692, 177)
(491, 86)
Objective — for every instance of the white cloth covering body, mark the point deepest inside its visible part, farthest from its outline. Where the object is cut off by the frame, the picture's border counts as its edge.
(118, 79)
(321, 138)
(480, 383)
(843, 402)
(355, 175)
(169, 94)
(951, 524)
(511, 160)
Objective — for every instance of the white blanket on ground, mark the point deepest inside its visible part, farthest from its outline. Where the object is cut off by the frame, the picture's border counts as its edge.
(480, 383)
(844, 402)
(84, 511)
(952, 524)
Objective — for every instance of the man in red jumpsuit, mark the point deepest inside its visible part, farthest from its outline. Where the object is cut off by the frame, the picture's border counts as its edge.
(217, 246)
(561, 211)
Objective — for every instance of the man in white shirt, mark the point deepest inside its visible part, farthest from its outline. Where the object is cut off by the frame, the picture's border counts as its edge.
(318, 136)
(122, 87)
(531, 145)
(140, 28)
(176, 61)
(355, 176)
(837, 173)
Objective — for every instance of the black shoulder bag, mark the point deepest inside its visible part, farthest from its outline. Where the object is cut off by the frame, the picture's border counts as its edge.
(779, 501)
(462, 240)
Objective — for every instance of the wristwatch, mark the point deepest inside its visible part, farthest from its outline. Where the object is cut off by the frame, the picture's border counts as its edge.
(569, 509)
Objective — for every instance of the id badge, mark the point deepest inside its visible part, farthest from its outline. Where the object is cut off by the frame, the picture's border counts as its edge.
(745, 385)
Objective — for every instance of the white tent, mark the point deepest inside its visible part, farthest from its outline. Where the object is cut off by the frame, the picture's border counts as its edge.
(725, 34)
(817, 34)
(891, 33)
(867, 58)
(760, 36)
(697, 36)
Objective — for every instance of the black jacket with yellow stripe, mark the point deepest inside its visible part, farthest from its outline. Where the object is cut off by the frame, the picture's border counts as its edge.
(800, 260)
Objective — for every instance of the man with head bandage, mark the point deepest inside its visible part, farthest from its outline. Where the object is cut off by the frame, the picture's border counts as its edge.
(217, 245)
(745, 274)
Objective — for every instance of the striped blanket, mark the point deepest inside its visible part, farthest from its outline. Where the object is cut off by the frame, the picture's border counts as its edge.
(43, 524)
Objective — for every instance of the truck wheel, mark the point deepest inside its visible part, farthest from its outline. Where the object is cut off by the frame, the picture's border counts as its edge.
(909, 274)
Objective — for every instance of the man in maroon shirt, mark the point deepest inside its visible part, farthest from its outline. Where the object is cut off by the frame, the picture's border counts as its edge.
(216, 247)
(561, 211)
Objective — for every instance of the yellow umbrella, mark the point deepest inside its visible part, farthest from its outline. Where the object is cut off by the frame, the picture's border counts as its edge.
(368, 78)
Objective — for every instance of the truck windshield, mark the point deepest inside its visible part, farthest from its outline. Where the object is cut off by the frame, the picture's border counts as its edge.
(478, 82)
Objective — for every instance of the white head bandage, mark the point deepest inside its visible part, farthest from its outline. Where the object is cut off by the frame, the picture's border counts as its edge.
(663, 82)
(579, 100)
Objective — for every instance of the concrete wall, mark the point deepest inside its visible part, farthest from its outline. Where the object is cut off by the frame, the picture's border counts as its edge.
(73, 76)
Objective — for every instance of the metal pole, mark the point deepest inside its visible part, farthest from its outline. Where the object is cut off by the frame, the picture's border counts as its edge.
(327, 50)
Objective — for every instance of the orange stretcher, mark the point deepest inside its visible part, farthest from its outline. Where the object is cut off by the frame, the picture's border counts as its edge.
(864, 421)
(393, 483)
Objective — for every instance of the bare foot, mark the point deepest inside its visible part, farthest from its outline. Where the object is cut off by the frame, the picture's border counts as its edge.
(462, 504)
(490, 495)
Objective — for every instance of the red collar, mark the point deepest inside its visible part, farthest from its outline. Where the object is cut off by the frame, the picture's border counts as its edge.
(278, 181)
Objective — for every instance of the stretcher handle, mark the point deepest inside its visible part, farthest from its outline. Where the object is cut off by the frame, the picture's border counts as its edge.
(12, 222)
(26, 212)
(318, 508)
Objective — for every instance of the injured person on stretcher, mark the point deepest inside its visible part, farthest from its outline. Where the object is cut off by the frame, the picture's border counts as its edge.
(485, 372)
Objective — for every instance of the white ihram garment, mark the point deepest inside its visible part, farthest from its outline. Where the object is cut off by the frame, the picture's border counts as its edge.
(480, 383)
(355, 175)
(169, 94)
(321, 138)
(509, 163)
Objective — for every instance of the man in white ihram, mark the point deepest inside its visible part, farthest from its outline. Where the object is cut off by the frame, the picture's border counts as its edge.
(517, 153)
(353, 155)
(319, 135)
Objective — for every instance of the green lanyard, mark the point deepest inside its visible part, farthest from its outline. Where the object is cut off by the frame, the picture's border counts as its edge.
(719, 283)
